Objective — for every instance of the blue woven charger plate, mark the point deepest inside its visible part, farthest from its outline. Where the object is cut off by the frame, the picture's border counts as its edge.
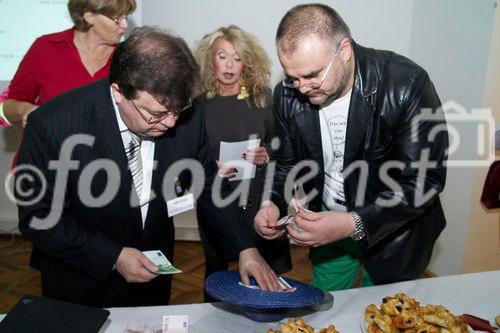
(225, 287)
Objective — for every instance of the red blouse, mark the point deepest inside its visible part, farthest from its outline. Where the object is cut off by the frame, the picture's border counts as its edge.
(51, 67)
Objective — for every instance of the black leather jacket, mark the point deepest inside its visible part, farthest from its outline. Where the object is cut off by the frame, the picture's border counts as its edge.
(389, 93)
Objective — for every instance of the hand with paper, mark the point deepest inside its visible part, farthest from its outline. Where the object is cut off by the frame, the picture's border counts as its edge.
(266, 219)
(308, 228)
(226, 170)
(232, 156)
(267, 224)
(320, 228)
(257, 156)
(160, 260)
(251, 264)
(134, 266)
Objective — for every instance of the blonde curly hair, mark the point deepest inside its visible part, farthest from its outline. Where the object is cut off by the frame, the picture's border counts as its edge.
(256, 70)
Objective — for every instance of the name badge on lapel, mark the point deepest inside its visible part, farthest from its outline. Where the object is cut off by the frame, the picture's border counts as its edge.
(180, 205)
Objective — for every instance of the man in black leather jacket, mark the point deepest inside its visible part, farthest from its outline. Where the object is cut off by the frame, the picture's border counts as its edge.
(362, 130)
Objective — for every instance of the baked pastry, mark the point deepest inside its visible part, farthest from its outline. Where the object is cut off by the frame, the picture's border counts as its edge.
(427, 328)
(391, 306)
(373, 328)
(329, 329)
(385, 323)
(403, 314)
(300, 326)
(370, 312)
(408, 302)
(407, 319)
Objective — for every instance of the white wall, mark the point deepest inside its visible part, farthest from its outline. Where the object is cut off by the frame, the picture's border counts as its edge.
(482, 249)
(451, 39)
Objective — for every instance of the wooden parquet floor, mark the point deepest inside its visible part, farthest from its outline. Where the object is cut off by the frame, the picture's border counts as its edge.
(17, 278)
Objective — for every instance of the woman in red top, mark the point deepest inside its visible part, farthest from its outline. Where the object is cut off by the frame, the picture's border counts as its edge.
(65, 60)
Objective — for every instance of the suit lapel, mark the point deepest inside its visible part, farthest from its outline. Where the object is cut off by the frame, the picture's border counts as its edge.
(308, 120)
(360, 113)
(109, 145)
(361, 106)
(107, 131)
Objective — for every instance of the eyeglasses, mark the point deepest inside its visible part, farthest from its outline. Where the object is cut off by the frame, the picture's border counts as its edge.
(295, 82)
(157, 116)
(118, 20)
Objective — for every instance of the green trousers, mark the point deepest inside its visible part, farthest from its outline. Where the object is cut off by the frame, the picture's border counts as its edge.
(336, 266)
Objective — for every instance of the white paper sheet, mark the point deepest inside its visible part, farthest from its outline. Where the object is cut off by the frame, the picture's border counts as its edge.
(231, 153)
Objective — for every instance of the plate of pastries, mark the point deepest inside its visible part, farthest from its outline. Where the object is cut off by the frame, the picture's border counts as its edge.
(403, 314)
(300, 326)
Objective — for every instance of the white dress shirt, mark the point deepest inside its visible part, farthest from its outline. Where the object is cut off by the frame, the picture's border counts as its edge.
(147, 156)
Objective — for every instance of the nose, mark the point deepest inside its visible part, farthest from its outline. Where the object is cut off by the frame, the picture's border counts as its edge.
(123, 23)
(229, 62)
(304, 87)
(169, 121)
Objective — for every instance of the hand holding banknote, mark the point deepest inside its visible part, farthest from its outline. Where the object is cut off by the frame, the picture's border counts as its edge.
(265, 221)
(134, 266)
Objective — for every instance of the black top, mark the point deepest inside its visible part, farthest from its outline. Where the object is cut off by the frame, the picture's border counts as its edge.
(230, 119)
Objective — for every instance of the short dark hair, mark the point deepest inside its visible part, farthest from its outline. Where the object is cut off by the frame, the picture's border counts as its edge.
(77, 9)
(156, 62)
(309, 20)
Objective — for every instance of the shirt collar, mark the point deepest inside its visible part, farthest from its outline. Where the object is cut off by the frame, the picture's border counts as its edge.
(64, 36)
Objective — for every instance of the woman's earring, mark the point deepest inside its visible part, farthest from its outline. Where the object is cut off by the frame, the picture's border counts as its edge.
(243, 90)
(211, 93)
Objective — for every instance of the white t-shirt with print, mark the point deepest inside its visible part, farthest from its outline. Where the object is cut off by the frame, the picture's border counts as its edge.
(333, 122)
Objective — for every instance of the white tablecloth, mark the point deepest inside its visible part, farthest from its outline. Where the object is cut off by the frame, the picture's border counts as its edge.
(477, 294)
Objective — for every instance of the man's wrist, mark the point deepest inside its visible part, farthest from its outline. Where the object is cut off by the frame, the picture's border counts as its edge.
(266, 203)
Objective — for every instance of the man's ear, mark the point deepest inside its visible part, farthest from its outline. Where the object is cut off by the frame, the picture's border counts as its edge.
(345, 49)
(116, 93)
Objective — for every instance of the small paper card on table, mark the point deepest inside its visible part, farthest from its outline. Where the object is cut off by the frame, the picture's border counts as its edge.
(175, 324)
(158, 258)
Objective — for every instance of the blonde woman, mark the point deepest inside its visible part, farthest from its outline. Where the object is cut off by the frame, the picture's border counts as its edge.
(234, 93)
